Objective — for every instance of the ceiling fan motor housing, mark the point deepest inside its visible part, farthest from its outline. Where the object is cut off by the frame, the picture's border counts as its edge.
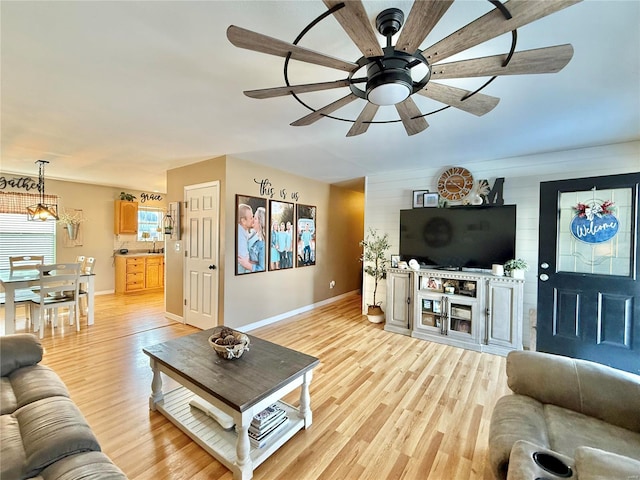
(389, 81)
(390, 21)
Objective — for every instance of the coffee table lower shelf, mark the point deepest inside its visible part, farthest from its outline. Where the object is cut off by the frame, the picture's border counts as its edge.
(218, 442)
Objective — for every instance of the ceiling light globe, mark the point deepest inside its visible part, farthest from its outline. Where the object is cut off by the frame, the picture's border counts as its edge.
(388, 86)
(389, 94)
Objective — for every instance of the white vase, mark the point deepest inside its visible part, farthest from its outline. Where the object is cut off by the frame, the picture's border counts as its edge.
(518, 274)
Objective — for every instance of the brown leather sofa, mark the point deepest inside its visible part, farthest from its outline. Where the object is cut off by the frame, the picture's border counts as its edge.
(43, 435)
(584, 414)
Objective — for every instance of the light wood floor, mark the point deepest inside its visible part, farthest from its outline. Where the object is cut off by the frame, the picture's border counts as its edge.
(385, 406)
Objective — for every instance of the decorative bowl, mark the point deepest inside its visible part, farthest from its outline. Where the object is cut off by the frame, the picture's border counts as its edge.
(228, 343)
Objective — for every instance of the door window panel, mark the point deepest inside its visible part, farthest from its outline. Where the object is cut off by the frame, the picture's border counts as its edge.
(594, 235)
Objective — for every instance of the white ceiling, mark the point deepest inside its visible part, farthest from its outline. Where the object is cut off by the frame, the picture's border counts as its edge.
(115, 93)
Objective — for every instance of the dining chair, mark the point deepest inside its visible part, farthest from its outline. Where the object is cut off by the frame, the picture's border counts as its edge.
(81, 259)
(23, 296)
(88, 265)
(59, 285)
(25, 262)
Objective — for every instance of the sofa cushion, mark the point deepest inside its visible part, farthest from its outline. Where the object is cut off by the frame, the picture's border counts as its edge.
(11, 449)
(34, 383)
(569, 430)
(18, 350)
(83, 466)
(51, 429)
(8, 402)
(595, 464)
(586, 387)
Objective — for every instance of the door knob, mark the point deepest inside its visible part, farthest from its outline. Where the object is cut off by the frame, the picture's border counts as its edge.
(212, 267)
(544, 277)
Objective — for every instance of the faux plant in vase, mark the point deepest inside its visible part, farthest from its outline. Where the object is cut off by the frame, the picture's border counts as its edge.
(516, 267)
(71, 222)
(374, 258)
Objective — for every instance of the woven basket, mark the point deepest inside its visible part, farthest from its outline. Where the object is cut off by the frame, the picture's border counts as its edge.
(229, 352)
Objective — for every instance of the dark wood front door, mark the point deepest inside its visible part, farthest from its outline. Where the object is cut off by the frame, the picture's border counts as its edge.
(588, 286)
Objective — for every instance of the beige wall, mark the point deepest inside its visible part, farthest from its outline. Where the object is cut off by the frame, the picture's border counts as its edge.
(98, 239)
(249, 299)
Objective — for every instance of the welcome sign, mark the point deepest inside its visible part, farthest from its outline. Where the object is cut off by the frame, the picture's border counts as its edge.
(594, 223)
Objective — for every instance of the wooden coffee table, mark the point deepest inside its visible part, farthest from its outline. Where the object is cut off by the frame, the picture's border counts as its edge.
(240, 388)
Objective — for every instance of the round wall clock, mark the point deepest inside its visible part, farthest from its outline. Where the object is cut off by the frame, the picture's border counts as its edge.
(455, 183)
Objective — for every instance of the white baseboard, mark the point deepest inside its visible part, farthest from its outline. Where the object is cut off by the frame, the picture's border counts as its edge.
(291, 313)
(174, 317)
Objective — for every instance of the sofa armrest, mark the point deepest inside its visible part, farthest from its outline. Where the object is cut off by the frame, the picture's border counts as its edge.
(18, 350)
(514, 418)
(586, 387)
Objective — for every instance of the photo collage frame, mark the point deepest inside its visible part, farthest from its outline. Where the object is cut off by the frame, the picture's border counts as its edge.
(273, 235)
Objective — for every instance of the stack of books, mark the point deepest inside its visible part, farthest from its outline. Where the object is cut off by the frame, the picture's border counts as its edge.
(266, 425)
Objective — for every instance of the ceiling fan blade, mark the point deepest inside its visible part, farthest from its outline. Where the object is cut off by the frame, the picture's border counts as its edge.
(477, 104)
(354, 20)
(411, 117)
(539, 60)
(363, 121)
(492, 25)
(424, 15)
(308, 87)
(258, 42)
(318, 114)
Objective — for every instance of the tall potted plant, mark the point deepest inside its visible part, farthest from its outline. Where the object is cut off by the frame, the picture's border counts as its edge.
(374, 258)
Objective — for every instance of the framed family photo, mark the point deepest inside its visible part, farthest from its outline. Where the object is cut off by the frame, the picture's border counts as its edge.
(281, 235)
(306, 235)
(251, 215)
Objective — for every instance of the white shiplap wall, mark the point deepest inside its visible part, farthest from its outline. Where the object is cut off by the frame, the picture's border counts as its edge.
(386, 194)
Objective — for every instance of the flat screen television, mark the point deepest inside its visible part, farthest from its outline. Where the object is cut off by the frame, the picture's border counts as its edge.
(458, 237)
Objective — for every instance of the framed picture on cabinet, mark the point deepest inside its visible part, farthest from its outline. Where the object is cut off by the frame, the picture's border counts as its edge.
(418, 198)
(306, 235)
(395, 260)
(281, 235)
(251, 213)
(430, 199)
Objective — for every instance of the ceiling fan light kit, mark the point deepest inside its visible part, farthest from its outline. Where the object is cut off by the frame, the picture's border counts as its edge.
(395, 73)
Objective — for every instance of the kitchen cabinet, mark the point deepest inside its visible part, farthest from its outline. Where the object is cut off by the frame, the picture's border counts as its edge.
(125, 217)
(138, 273)
(154, 272)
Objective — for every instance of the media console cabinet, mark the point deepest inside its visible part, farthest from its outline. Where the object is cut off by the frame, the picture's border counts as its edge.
(472, 310)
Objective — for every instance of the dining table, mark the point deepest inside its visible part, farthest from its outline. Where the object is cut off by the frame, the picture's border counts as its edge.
(19, 279)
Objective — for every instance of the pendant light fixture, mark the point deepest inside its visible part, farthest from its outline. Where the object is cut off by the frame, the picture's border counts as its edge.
(42, 211)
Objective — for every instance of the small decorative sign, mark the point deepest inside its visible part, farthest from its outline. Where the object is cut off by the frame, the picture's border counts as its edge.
(594, 222)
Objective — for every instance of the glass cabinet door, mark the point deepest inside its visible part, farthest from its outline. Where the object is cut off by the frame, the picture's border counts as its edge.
(461, 318)
(432, 314)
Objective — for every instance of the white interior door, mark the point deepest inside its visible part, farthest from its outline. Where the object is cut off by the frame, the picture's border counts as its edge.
(201, 255)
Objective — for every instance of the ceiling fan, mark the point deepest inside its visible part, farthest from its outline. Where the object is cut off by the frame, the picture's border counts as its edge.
(391, 78)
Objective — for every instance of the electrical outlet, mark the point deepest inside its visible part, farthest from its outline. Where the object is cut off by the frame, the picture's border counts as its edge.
(332, 284)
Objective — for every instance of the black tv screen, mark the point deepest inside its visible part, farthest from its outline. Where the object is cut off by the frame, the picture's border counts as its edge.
(470, 237)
